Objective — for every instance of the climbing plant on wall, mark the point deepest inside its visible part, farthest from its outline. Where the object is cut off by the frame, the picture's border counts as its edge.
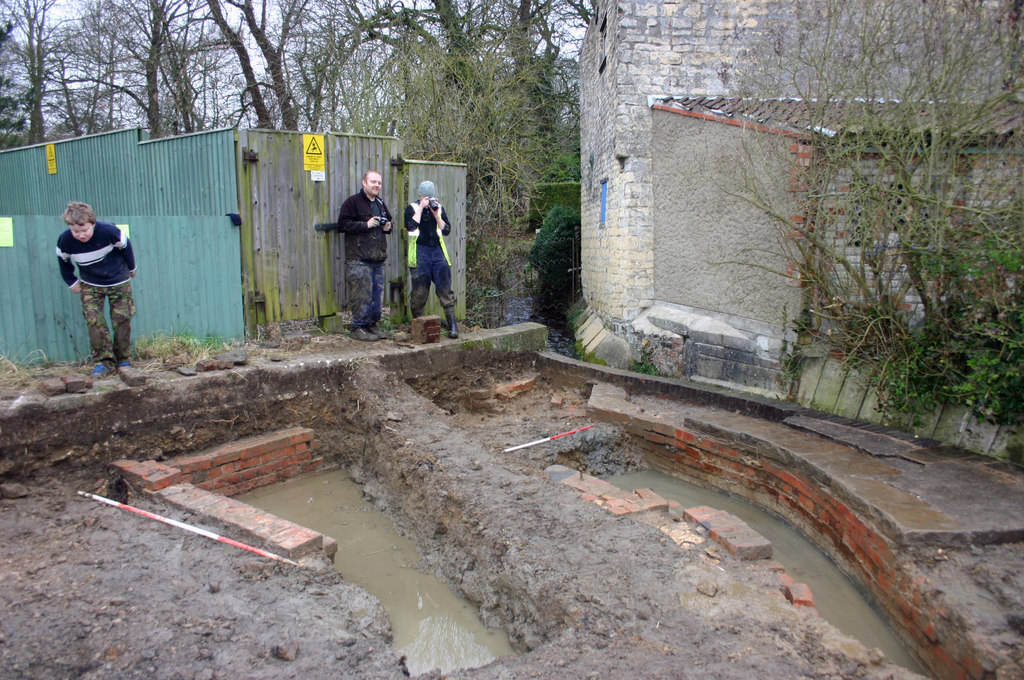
(911, 234)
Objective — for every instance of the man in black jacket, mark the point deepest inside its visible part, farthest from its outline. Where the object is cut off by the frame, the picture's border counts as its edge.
(366, 222)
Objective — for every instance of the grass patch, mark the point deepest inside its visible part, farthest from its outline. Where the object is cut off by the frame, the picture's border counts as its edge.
(13, 374)
(185, 345)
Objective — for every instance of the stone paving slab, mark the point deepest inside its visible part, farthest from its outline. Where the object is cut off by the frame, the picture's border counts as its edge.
(873, 439)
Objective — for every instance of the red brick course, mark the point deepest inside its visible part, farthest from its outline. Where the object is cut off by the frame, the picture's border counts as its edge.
(938, 637)
(201, 484)
(277, 535)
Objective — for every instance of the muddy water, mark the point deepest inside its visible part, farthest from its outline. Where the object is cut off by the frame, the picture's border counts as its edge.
(835, 597)
(432, 627)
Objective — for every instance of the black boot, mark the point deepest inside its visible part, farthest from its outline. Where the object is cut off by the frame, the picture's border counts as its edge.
(453, 330)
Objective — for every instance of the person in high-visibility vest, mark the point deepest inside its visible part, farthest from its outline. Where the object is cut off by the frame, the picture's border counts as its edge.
(428, 224)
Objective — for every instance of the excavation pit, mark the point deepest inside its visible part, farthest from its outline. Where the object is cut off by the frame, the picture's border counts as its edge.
(579, 591)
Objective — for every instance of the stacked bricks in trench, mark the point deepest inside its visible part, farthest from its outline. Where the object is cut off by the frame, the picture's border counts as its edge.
(728, 463)
(729, 531)
(199, 484)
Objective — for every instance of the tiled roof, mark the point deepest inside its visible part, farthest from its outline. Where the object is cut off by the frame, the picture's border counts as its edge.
(798, 114)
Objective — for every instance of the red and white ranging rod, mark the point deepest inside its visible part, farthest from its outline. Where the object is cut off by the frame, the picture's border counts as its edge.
(188, 527)
(547, 439)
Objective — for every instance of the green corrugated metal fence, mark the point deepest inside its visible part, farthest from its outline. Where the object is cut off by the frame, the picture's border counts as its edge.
(172, 193)
(197, 272)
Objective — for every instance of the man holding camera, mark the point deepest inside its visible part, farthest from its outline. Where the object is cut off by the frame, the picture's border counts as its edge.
(428, 224)
(366, 222)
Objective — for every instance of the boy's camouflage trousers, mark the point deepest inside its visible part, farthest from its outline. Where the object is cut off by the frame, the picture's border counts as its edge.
(122, 308)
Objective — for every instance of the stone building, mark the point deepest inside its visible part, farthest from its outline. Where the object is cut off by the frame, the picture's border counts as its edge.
(663, 237)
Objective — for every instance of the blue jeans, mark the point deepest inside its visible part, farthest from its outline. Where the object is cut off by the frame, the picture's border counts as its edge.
(365, 286)
(431, 267)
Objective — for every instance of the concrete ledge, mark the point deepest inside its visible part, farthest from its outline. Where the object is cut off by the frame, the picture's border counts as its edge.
(886, 442)
(520, 337)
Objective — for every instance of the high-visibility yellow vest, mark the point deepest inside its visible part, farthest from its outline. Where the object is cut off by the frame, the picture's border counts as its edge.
(414, 235)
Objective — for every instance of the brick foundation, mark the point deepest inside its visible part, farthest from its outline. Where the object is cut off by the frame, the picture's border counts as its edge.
(863, 544)
(201, 484)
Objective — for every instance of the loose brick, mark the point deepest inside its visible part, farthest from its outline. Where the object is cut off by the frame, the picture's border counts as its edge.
(76, 383)
(51, 387)
(426, 329)
(800, 594)
(700, 513)
(747, 545)
(214, 365)
(131, 376)
(651, 501)
(509, 390)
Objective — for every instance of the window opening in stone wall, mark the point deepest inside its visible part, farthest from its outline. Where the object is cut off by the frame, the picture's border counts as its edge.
(604, 198)
(604, 62)
(604, 24)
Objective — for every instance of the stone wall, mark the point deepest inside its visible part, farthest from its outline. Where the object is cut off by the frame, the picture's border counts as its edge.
(631, 51)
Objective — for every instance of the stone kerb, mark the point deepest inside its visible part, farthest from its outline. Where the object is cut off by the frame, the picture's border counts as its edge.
(202, 483)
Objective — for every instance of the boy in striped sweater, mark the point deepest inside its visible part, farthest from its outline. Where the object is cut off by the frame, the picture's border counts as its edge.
(106, 265)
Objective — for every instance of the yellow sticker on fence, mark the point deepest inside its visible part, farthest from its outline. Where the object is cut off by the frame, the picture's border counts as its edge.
(51, 159)
(313, 152)
(6, 232)
(124, 229)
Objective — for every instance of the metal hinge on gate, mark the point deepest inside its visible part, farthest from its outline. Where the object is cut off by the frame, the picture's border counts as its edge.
(250, 156)
(397, 162)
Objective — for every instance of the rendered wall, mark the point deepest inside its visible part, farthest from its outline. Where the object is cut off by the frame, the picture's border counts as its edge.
(714, 250)
(632, 50)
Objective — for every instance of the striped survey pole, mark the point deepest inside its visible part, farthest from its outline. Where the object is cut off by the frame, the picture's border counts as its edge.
(188, 527)
(547, 439)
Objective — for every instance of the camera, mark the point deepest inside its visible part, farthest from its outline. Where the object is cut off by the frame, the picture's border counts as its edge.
(382, 220)
(433, 203)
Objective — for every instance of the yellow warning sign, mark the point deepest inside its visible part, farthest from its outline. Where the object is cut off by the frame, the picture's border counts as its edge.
(51, 159)
(313, 152)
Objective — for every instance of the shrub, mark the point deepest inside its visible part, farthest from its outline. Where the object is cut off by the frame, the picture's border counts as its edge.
(555, 259)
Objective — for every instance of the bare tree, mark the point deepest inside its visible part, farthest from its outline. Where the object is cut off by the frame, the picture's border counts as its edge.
(12, 101)
(910, 238)
(36, 31)
(271, 28)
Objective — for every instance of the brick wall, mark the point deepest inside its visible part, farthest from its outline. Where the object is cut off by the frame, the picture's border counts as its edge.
(737, 464)
(201, 484)
(232, 468)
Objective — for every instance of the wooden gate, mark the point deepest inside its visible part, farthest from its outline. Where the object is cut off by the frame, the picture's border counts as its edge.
(290, 270)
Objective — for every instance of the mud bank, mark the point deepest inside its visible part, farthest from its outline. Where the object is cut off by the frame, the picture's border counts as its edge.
(582, 593)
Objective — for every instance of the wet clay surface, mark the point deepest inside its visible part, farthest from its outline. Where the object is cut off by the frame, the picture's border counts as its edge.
(91, 591)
